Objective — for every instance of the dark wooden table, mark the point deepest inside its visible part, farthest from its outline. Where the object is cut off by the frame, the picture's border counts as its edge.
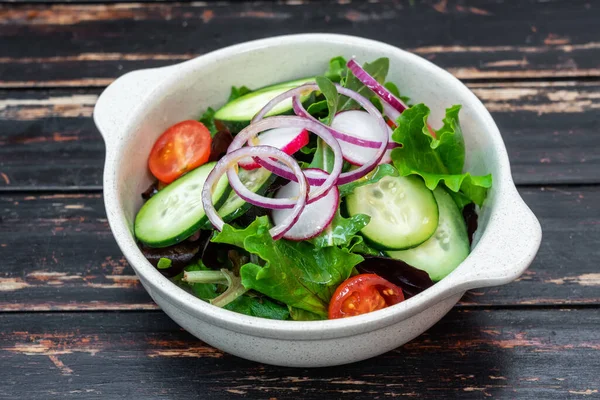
(76, 323)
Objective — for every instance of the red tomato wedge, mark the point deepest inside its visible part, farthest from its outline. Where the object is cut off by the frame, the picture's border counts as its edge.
(362, 294)
(181, 148)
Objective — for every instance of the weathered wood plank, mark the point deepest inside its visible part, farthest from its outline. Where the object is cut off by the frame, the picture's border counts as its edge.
(90, 45)
(525, 354)
(58, 254)
(551, 130)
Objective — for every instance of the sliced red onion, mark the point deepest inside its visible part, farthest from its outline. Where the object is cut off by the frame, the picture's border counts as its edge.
(392, 106)
(281, 169)
(362, 125)
(376, 87)
(364, 102)
(228, 163)
(288, 140)
(315, 217)
(341, 136)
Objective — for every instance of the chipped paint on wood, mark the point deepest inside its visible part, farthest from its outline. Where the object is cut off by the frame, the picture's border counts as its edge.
(12, 284)
(582, 280)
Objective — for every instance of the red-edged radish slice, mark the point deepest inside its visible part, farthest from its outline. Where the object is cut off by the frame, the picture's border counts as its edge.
(288, 140)
(362, 125)
(315, 217)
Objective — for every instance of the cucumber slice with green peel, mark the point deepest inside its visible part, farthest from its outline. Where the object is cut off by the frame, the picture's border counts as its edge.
(256, 180)
(447, 248)
(237, 114)
(403, 212)
(176, 212)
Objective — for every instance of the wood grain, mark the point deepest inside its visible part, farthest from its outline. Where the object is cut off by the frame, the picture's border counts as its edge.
(90, 45)
(59, 254)
(525, 354)
(551, 131)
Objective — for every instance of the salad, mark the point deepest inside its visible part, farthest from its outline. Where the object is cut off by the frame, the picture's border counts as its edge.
(324, 197)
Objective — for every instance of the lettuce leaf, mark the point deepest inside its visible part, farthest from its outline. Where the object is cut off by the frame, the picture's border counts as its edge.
(378, 69)
(372, 177)
(295, 273)
(436, 160)
(341, 230)
(258, 307)
(337, 69)
(238, 92)
(208, 119)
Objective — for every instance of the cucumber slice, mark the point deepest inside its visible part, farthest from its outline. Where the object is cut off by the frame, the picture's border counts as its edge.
(256, 180)
(176, 212)
(403, 212)
(447, 248)
(238, 113)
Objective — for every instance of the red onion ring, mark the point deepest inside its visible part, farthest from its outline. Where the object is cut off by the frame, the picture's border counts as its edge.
(301, 112)
(364, 102)
(392, 105)
(226, 164)
(279, 169)
(376, 87)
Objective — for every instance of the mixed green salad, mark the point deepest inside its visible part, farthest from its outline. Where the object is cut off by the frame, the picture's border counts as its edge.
(324, 197)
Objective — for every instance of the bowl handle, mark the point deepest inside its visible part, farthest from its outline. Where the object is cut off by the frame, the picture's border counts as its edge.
(514, 238)
(120, 99)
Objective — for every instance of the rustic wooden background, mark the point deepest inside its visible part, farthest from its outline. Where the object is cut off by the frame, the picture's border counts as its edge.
(76, 323)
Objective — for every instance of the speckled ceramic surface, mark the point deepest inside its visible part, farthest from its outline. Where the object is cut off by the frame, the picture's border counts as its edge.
(140, 105)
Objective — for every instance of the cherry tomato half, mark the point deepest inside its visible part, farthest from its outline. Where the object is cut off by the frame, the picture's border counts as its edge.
(361, 294)
(180, 149)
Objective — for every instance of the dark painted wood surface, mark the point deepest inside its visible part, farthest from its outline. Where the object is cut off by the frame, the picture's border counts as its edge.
(89, 45)
(473, 354)
(76, 323)
(551, 129)
(63, 256)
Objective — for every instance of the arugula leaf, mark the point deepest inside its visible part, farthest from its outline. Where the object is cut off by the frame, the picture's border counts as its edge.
(372, 177)
(302, 315)
(357, 245)
(258, 307)
(391, 86)
(331, 97)
(208, 119)
(317, 108)
(436, 160)
(238, 92)
(323, 158)
(295, 273)
(378, 69)
(337, 69)
(341, 230)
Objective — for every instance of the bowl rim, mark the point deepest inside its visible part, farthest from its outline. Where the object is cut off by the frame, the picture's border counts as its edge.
(157, 284)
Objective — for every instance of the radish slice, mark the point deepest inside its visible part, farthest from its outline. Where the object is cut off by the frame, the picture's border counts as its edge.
(345, 177)
(226, 165)
(362, 125)
(315, 217)
(256, 128)
(288, 140)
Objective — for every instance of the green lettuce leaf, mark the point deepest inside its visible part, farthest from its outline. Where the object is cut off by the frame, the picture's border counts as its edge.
(204, 291)
(295, 273)
(331, 97)
(238, 92)
(258, 307)
(372, 177)
(302, 315)
(208, 119)
(378, 69)
(436, 160)
(337, 69)
(341, 230)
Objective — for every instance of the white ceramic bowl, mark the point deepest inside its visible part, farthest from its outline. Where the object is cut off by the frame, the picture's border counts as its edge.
(135, 109)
